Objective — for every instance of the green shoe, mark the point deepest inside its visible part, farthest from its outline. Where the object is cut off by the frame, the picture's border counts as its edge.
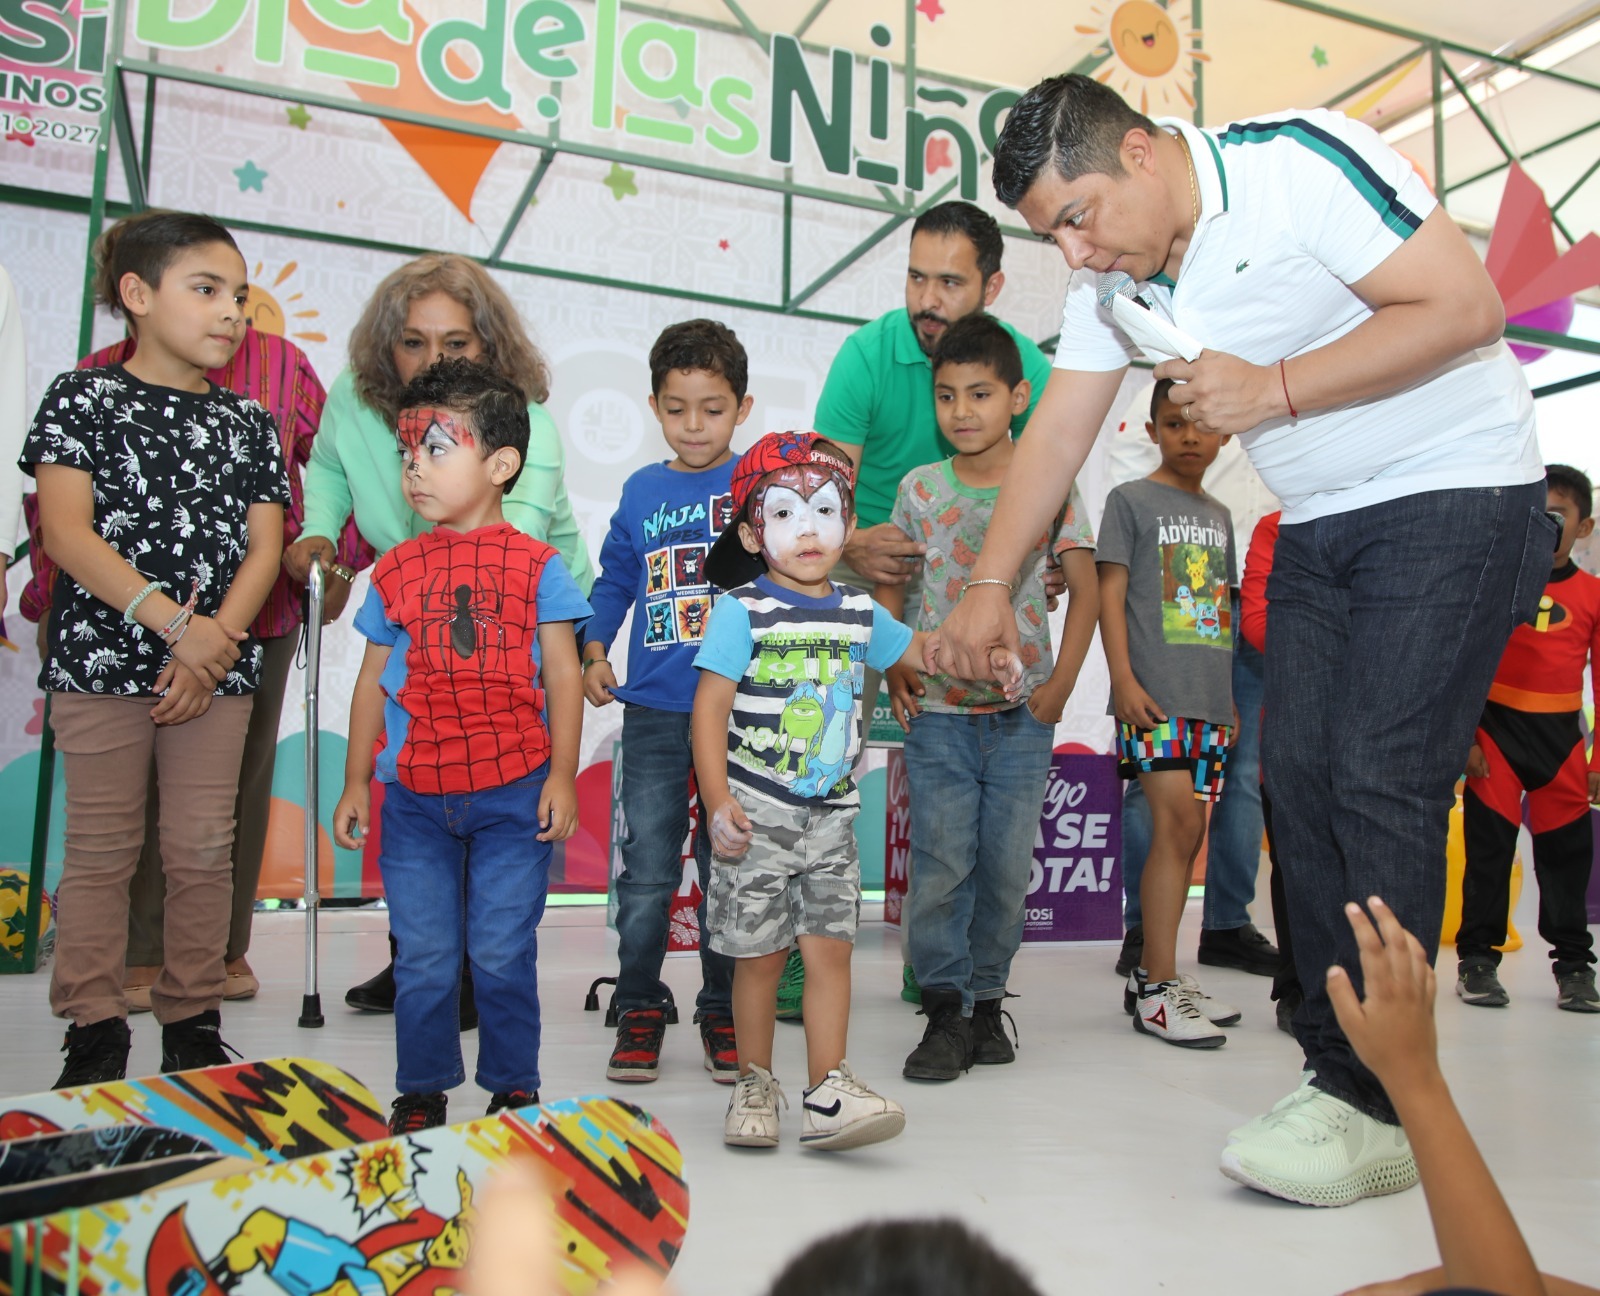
(910, 991)
(791, 986)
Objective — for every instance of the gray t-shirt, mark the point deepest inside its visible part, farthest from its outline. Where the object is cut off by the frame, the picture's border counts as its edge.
(1178, 549)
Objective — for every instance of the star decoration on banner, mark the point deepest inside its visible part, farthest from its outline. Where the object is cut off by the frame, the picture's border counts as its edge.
(724, 244)
(930, 9)
(250, 176)
(620, 181)
(936, 157)
(299, 117)
(1319, 56)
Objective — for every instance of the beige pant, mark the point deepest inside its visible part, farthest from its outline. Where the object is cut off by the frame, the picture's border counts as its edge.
(147, 895)
(107, 744)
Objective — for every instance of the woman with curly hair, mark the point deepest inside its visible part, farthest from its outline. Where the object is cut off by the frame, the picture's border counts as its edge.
(436, 306)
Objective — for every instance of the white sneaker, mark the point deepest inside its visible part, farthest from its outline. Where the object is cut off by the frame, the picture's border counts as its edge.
(1256, 1123)
(1168, 1011)
(1321, 1151)
(1216, 1012)
(840, 1112)
(752, 1119)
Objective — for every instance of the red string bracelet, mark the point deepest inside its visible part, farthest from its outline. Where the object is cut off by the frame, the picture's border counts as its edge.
(1284, 379)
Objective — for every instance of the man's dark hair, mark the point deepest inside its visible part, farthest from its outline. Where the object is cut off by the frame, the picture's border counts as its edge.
(700, 344)
(146, 245)
(982, 340)
(963, 218)
(940, 1257)
(1071, 124)
(496, 406)
(1573, 484)
(1163, 392)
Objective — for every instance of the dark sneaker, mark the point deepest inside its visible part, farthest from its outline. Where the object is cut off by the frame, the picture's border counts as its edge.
(1478, 983)
(946, 1048)
(722, 1048)
(1287, 1007)
(990, 1047)
(194, 1043)
(910, 991)
(96, 1053)
(636, 1056)
(516, 1098)
(791, 987)
(1132, 950)
(413, 1113)
(1576, 993)
(1242, 948)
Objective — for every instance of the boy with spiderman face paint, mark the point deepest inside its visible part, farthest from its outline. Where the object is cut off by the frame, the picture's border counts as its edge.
(776, 737)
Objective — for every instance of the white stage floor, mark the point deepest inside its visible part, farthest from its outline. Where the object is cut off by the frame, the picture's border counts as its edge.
(1092, 1160)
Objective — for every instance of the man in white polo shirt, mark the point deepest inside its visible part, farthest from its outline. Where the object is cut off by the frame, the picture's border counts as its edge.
(1353, 344)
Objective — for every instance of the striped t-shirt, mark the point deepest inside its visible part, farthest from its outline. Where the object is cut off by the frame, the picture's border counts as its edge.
(799, 662)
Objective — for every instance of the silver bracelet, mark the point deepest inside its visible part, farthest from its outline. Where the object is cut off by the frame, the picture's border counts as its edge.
(987, 580)
(139, 598)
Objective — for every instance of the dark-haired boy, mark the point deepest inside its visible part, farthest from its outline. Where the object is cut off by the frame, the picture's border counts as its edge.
(977, 759)
(1530, 744)
(654, 561)
(478, 784)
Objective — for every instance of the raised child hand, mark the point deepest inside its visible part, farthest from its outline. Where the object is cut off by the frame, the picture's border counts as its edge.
(183, 696)
(558, 809)
(730, 829)
(350, 817)
(1392, 1029)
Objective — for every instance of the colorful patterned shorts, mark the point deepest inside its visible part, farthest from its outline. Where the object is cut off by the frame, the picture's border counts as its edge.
(800, 876)
(1195, 745)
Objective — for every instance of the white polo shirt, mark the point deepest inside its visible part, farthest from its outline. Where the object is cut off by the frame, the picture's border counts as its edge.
(1294, 207)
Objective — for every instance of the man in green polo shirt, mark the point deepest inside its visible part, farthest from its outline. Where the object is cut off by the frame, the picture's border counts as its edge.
(878, 400)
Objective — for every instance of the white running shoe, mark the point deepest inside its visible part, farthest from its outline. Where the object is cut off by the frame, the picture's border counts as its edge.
(1216, 1012)
(1321, 1151)
(752, 1119)
(1168, 1011)
(1257, 1123)
(840, 1112)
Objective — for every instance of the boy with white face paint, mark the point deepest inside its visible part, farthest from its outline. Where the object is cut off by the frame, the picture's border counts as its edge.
(775, 742)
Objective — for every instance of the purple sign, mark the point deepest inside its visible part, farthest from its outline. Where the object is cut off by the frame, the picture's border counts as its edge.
(1075, 893)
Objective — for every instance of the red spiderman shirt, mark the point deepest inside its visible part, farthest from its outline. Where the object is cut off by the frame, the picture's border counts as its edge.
(462, 613)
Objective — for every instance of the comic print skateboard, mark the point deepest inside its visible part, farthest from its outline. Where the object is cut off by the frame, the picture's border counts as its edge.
(274, 1110)
(389, 1218)
(52, 1172)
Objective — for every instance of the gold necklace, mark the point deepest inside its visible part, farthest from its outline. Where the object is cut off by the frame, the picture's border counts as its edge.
(1194, 188)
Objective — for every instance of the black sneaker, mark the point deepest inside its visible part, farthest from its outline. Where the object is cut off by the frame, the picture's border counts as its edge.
(1243, 948)
(721, 1047)
(1132, 950)
(946, 1048)
(194, 1043)
(1287, 1007)
(990, 1047)
(413, 1113)
(1478, 983)
(1575, 991)
(96, 1053)
(501, 1101)
(636, 1056)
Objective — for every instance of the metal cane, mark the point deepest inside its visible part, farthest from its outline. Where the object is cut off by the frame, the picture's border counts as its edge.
(311, 1003)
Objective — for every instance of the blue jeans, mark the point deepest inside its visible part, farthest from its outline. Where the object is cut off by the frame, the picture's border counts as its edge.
(657, 759)
(977, 786)
(1234, 851)
(1386, 625)
(465, 868)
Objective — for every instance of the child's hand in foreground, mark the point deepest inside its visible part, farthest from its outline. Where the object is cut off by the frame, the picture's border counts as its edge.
(1392, 1029)
(183, 696)
(350, 817)
(598, 682)
(730, 829)
(905, 687)
(558, 809)
(1006, 668)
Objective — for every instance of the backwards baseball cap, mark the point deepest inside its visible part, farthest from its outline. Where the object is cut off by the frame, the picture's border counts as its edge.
(730, 564)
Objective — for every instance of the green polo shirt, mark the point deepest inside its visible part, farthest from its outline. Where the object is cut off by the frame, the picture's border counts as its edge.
(879, 396)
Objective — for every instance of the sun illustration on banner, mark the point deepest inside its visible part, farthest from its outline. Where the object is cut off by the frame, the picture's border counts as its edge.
(268, 315)
(1148, 51)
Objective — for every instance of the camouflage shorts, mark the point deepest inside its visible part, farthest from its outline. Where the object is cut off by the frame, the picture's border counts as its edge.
(800, 876)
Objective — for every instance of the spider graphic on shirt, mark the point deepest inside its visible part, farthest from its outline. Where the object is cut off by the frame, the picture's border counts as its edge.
(458, 620)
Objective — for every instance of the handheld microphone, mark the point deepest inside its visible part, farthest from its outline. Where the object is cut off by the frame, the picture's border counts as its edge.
(1158, 338)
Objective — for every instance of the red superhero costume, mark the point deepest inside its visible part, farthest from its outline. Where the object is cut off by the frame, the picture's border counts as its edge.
(468, 603)
(1531, 736)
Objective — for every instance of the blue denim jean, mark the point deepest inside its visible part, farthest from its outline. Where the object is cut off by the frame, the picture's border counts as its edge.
(1233, 851)
(657, 758)
(1385, 627)
(465, 869)
(977, 785)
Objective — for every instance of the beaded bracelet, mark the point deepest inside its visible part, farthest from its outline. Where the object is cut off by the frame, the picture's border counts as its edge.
(140, 597)
(182, 616)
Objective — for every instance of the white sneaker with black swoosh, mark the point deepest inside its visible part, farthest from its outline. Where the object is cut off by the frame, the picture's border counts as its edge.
(840, 1112)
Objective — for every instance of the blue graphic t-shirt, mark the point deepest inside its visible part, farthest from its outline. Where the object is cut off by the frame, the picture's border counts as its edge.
(800, 663)
(654, 561)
